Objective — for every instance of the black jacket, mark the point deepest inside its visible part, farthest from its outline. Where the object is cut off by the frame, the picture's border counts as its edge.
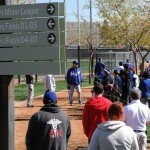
(29, 79)
(49, 129)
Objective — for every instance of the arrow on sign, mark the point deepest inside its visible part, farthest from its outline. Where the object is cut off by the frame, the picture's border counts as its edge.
(51, 38)
(51, 9)
(51, 23)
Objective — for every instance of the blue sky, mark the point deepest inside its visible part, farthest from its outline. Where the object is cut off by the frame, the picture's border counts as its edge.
(71, 9)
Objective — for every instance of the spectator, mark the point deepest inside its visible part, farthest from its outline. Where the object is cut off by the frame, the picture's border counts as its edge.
(117, 80)
(120, 67)
(114, 134)
(49, 128)
(99, 72)
(148, 68)
(107, 83)
(145, 88)
(136, 116)
(30, 83)
(129, 64)
(136, 80)
(116, 92)
(49, 82)
(95, 111)
(99, 65)
(74, 81)
(145, 65)
(127, 84)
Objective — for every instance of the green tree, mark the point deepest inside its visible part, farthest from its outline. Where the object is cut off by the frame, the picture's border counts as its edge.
(125, 22)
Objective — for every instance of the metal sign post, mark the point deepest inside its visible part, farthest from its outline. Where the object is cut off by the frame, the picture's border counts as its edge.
(6, 113)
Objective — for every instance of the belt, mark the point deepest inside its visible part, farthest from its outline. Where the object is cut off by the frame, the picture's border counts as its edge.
(138, 131)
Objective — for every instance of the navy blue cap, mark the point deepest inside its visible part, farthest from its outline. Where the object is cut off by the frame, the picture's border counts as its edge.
(75, 62)
(49, 97)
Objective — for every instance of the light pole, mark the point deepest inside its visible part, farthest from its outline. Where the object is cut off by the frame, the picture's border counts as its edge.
(90, 46)
(78, 16)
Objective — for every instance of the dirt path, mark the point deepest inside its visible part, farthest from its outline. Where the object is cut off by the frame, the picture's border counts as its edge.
(23, 114)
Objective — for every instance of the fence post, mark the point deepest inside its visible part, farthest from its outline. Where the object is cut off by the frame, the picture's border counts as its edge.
(36, 78)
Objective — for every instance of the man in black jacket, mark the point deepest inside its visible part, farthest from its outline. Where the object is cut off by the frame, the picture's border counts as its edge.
(49, 128)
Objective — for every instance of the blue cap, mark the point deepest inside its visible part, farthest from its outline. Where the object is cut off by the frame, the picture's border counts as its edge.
(49, 97)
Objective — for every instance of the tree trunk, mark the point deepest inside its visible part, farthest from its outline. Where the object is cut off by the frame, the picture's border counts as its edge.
(135, 61)
(90, 69)
(142, 66)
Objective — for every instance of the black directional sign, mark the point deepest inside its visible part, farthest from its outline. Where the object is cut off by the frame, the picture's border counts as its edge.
(51, 23)
(51, 9)
(52, 38)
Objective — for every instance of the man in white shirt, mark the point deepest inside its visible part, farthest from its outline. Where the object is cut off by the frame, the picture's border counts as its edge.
(120, 67)
(137, 115)
(49, 82)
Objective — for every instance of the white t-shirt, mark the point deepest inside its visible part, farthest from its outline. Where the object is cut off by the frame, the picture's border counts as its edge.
(137, 81)
(119, 68)
(136, 115)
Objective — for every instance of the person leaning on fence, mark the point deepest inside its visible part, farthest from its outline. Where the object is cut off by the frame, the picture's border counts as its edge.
(30, 83)
(114, 134)
(137, 115)
(95, 111)
(74, 81)
(49, 128)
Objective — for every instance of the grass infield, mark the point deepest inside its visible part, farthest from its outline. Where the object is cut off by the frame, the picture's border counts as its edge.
(21, 89)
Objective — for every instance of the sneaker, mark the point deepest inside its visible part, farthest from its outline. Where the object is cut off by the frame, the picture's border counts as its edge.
(80, 103)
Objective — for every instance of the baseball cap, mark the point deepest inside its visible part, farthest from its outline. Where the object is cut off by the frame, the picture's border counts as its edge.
(75, 62)
(49, 97)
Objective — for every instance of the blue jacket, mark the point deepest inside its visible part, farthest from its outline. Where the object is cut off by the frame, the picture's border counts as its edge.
(74, 76)
(145, 87)
(97, 68)
(118, 82)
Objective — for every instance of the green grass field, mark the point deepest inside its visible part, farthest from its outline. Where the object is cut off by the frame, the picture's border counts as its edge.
(21, 89)
(148, 132)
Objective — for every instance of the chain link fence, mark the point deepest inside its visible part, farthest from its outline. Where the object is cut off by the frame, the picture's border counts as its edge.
(110, 58)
